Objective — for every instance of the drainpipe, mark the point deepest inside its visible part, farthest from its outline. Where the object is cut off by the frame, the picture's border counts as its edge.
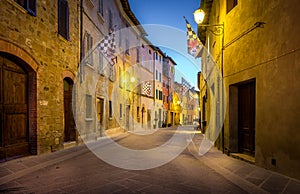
(81, 31)
(223, 112)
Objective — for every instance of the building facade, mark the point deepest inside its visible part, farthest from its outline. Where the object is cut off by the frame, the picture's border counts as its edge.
(259, 63)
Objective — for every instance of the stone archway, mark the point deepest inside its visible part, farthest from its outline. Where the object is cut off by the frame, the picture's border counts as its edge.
(18, 106)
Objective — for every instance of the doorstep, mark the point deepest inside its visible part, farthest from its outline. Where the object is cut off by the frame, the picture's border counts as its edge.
(244, 157)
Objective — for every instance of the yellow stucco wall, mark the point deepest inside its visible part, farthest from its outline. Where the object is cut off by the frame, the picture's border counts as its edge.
(271, 56)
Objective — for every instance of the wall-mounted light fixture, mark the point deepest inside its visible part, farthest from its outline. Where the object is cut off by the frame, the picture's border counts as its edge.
(199, 16)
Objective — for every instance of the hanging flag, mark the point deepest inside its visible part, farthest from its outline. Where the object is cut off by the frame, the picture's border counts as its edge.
(170, 98)
(185, 86)
(107, 46)
(195, 46)
(147, 89)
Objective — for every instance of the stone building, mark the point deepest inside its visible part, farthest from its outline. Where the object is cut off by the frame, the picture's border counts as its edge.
(158, 57)
(259, 61)
(145, 75)
(39, 54)
(115, 98)
(169, 73)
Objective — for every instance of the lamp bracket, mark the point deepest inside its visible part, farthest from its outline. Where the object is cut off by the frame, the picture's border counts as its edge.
(216, 29)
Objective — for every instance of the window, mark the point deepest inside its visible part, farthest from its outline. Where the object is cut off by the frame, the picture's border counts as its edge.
(63, 19)
(121, 111)
(120, 36)
(137, 55)
(150, 52)
(89, 44)
(100, 65)
(143, 60)
(156, 75)
(138, 112)
(120, 78)
(160, 95)
(110, 109)
(111, 73)
(29, 5)
(150, 65)
(156, 94)
(100, 7)
(88, 106)
(127, 47)
(160, 77)
(230, 4)
(110, 22)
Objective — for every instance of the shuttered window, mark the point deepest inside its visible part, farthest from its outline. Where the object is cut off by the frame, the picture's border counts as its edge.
(29, 5)
(63, 19)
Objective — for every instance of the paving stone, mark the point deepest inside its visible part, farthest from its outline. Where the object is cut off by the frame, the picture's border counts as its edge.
(4, 171)
(258, 176)
(245, 171)
(160, 189)
(132, 185)
(275, 184)
(108, 188)
(15, 167)
(292, 187)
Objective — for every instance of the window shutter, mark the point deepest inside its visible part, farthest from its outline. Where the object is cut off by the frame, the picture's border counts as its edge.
(63, 18)
(31, 7)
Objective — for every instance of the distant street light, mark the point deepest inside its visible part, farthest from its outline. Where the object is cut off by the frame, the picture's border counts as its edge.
(132, 79)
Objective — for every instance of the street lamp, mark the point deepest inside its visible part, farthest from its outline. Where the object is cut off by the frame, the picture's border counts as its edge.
(199, 16)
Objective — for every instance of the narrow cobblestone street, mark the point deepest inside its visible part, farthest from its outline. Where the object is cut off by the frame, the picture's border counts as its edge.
(78, 170)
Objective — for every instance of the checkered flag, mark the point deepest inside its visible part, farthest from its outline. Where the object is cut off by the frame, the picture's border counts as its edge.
(185, 86)
(195, 46)
(147, 88)
(107, 46)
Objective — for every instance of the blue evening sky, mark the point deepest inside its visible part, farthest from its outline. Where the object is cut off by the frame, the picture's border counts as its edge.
(170, 13)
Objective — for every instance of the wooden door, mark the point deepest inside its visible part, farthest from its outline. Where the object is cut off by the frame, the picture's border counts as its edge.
(70, 129)
(127, 117)
(246, 120)
(149, 119)
(100, 108)
(13, 110)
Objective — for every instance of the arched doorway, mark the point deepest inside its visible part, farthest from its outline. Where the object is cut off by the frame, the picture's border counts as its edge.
(70, 129)
(14, 108)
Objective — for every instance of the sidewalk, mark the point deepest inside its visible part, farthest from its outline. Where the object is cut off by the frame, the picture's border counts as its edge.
(17, 168)
(251, 178)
